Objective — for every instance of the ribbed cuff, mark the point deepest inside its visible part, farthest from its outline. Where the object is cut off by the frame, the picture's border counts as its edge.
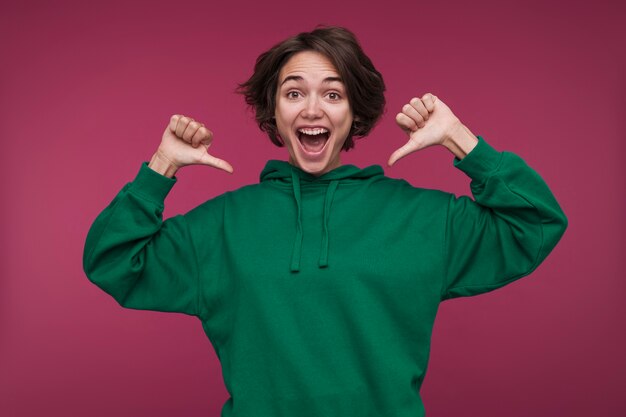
(151, 185)
(480, 162)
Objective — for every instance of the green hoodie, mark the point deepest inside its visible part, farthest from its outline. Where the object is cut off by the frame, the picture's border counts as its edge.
(319, 294)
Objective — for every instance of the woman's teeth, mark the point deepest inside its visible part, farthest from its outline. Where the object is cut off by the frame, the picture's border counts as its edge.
(315, 131)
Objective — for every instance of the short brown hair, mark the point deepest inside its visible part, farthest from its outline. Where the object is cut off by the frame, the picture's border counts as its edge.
(364, 84)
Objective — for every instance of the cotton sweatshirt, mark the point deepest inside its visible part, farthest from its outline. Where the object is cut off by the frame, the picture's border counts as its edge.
(319, 294)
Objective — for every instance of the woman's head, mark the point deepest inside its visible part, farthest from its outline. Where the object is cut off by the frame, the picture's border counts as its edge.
(334, 49)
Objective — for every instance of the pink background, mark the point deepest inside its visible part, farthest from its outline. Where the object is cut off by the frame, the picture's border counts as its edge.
(86, 92)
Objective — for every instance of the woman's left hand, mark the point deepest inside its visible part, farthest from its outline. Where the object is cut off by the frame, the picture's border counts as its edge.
(427, 121)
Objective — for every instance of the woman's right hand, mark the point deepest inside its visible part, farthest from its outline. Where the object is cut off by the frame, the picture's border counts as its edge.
(186, 142)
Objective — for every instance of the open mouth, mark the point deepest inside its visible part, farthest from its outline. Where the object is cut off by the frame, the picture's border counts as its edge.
(313, 140)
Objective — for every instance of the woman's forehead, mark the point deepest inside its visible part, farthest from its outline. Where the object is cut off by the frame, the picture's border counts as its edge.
(309, 65)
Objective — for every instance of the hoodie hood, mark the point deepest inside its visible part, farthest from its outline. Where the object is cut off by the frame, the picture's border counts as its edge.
(284, 172)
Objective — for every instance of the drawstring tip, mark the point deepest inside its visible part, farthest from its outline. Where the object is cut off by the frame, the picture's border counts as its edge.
(295, 265)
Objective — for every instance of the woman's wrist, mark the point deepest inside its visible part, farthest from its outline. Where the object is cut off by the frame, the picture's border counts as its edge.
(461, 141)
(161, 164)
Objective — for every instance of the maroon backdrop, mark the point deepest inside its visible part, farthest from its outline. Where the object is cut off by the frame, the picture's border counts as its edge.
(86, 91)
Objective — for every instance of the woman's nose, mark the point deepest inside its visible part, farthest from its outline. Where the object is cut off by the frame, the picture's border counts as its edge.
(312, 107)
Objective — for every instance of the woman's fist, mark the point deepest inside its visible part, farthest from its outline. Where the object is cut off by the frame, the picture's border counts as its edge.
(427, 121)
(186, 142)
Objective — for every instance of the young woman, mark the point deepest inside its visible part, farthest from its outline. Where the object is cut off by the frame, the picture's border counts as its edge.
(318, 287)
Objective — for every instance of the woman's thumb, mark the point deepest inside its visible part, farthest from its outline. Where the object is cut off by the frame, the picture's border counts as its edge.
(210, 160)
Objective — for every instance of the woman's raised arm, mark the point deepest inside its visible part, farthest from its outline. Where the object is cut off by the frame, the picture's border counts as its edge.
(130, 252)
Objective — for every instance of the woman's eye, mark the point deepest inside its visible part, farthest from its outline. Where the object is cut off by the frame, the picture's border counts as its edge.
(333, 96)
(292, 94)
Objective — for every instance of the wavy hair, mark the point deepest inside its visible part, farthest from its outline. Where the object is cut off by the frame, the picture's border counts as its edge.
(364, 84)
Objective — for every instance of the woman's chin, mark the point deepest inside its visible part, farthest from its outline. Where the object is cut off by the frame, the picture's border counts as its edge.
(312, 167)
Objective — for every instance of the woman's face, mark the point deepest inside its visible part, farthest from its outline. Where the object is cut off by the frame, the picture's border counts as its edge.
(313, 115)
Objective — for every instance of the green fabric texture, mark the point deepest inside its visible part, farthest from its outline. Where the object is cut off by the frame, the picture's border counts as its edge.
(319, 294)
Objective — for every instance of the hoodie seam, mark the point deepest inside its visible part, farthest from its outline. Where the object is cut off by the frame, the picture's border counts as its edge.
(199, 306)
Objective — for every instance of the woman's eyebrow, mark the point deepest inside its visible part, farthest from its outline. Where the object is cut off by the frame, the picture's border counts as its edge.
(299, 78)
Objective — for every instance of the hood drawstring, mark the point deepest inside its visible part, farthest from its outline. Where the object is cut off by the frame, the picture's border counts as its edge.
(297, 244)
(328, 201)
(283, 174)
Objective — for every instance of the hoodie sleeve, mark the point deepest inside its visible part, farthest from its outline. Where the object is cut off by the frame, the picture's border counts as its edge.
(506, 232)
(142, 261)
